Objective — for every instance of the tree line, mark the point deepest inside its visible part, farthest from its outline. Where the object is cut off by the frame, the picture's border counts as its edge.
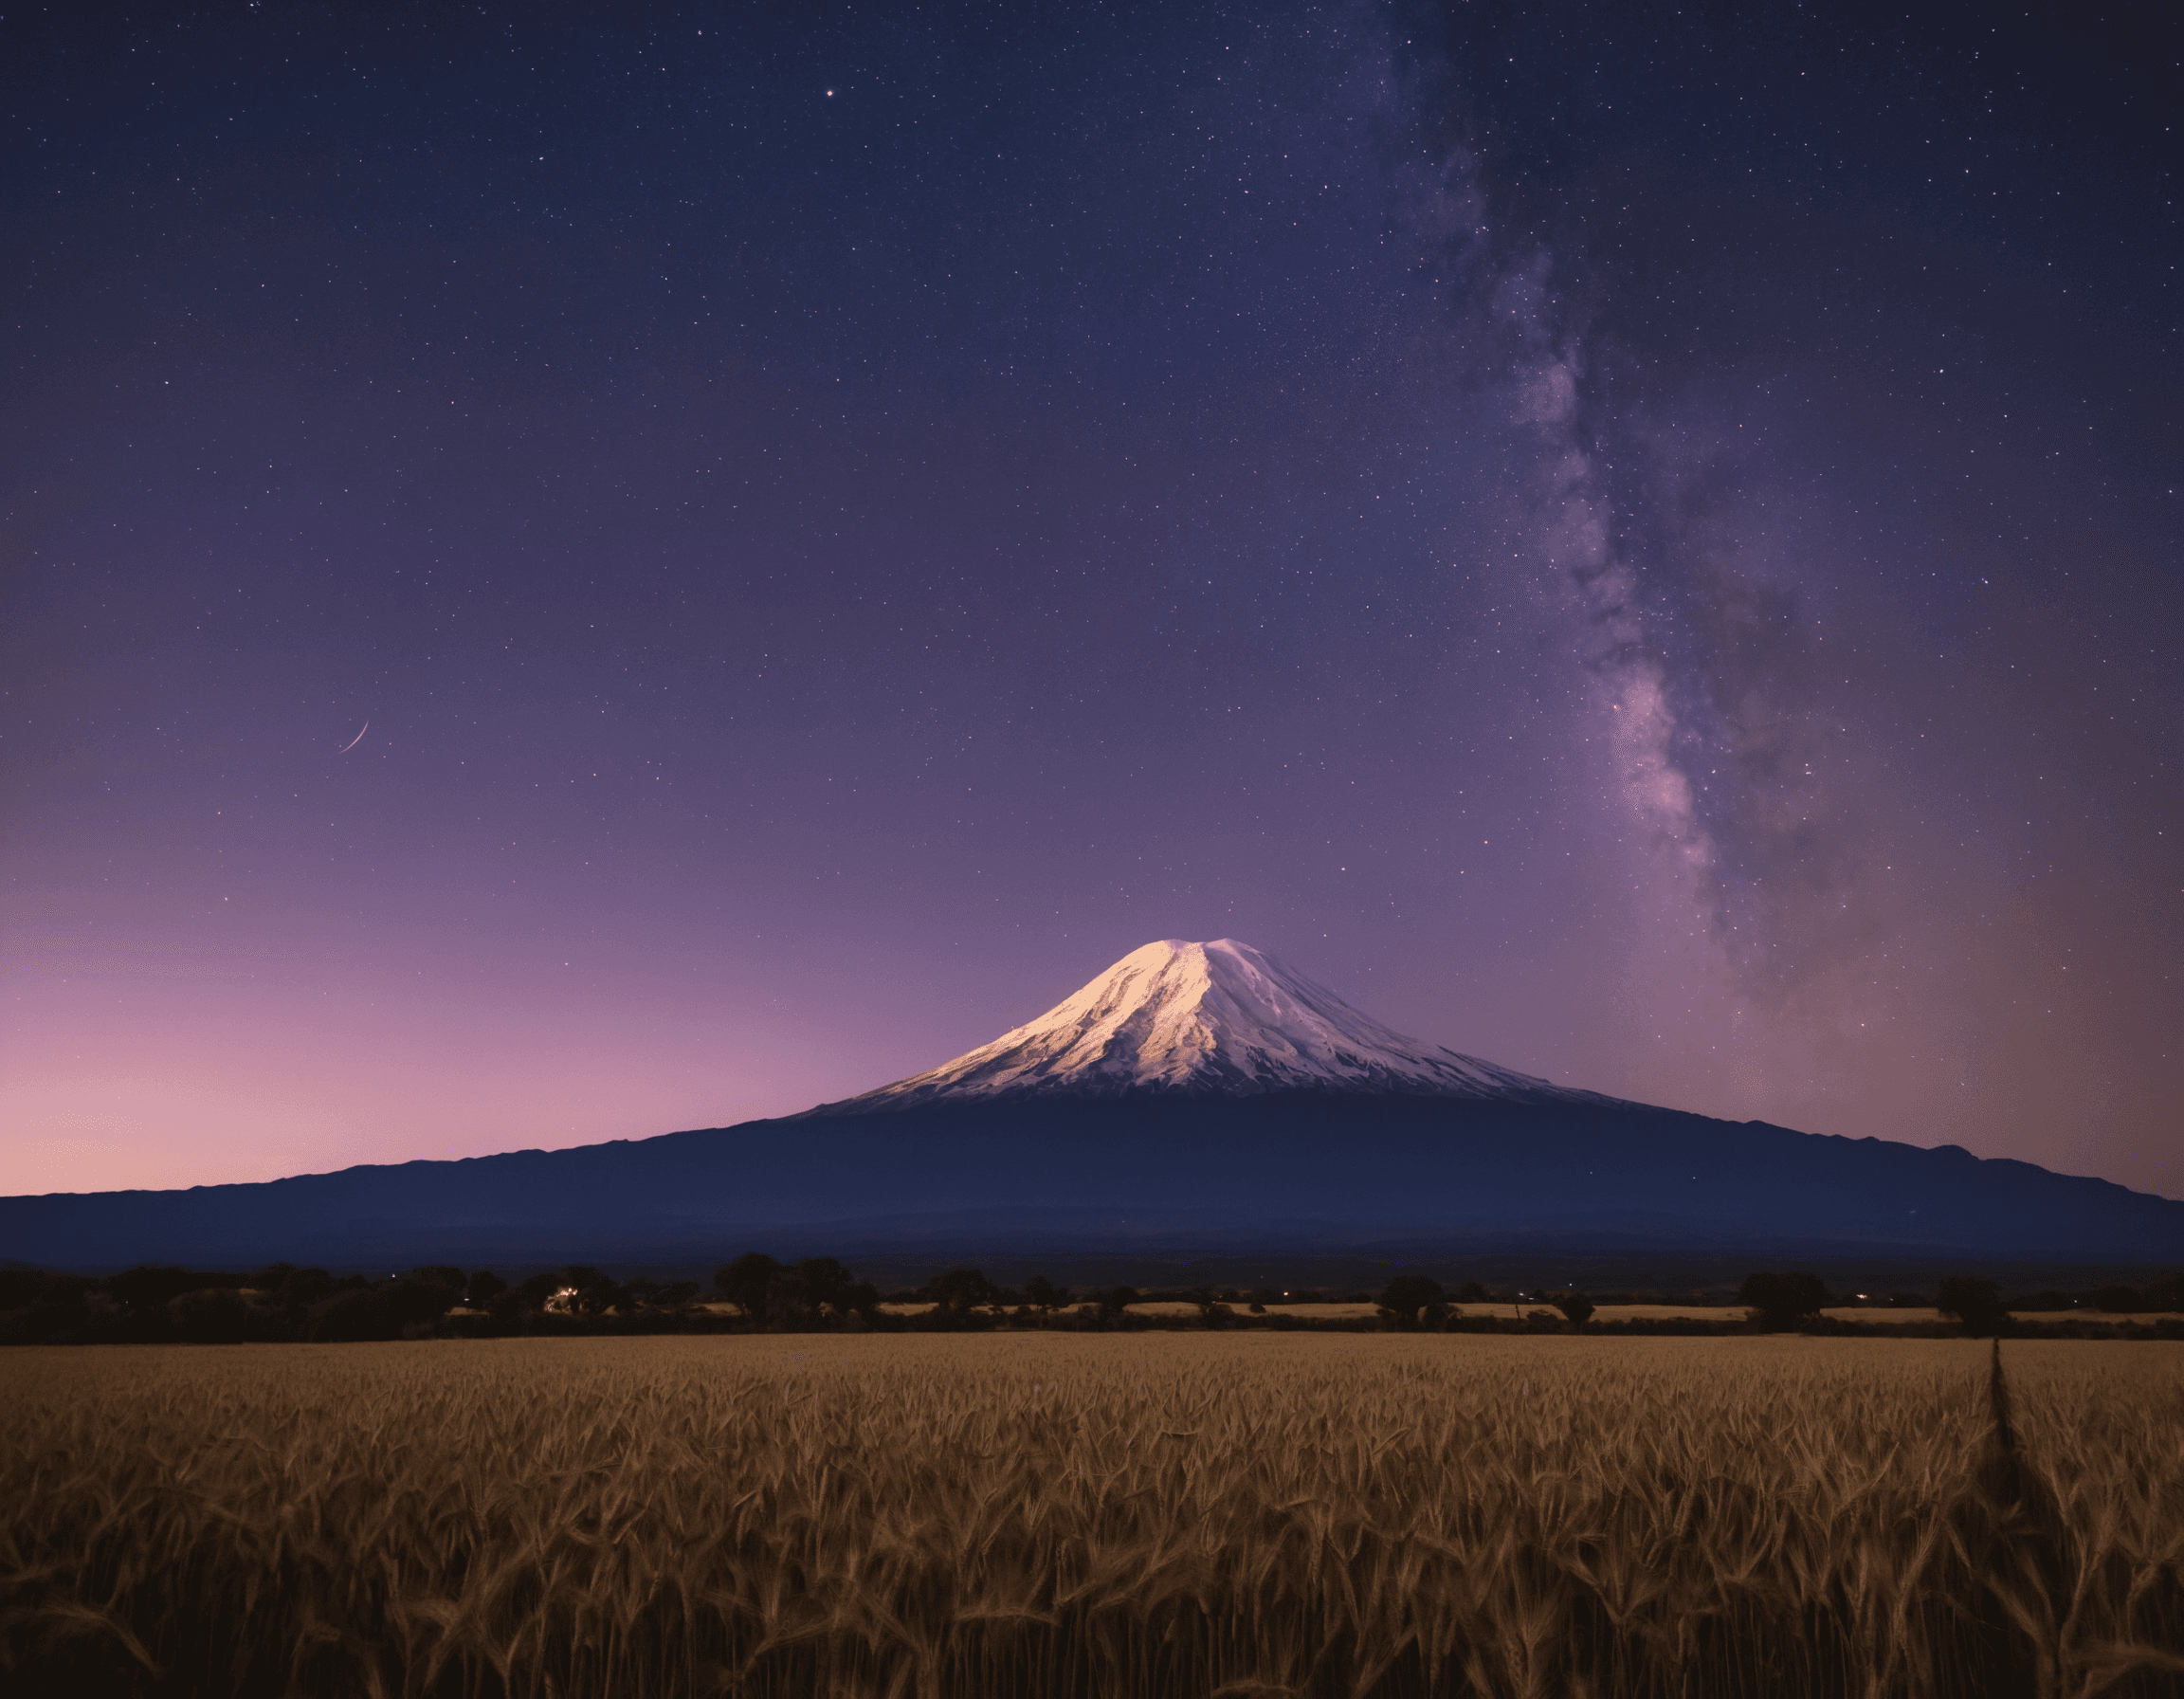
(756, 1293)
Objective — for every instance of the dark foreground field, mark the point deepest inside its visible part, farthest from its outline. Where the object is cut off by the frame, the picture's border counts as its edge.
(1029, 1514)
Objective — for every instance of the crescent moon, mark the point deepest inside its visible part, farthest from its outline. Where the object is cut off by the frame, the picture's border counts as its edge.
(356, 739)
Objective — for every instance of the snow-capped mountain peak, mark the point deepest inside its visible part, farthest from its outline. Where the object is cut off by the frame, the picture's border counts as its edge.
(1205, 1019)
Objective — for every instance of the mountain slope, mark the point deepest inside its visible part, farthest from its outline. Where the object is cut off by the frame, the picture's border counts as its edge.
(1271, 1171)
(1193, 1095)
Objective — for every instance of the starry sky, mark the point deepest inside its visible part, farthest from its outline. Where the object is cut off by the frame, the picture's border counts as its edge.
(571, 573)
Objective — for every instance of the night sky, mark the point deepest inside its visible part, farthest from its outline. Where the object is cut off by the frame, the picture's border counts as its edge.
(575, 573)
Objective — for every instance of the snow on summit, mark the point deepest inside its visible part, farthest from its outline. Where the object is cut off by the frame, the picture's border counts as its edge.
(1205, 1019)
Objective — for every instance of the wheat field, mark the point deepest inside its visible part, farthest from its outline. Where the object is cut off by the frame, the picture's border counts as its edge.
(1025, 1514)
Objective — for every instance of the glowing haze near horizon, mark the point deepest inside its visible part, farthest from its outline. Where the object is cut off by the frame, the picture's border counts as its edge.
(1640, 548)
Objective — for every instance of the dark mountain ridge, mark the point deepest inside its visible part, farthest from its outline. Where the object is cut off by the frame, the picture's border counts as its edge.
(1270, 1172)
(1193, 1096)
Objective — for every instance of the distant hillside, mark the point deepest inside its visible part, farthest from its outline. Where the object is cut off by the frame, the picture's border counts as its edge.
(1275, 1171)
(1193, 1098)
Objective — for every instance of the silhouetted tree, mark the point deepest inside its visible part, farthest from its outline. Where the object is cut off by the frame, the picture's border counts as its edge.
(1471, 1292)
(861, 1298)
(821, 1283)
(1407, 1297)
(291, 1288)
(1043, 1295)
(589, 1291)
(410, 1301)
(210, 1316)
(483, 1286)
(143, 1285)
(2120, 1299)
(1212, 1310)
(1782, 1303)
(43, 1306)
(442, 1274)
(1115, 1300)
(748, 1284)
(149, 1286)
(353, 1314)
(1577, 1308)
(1978, 1303)
(806, 1293)
(962, 1289)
